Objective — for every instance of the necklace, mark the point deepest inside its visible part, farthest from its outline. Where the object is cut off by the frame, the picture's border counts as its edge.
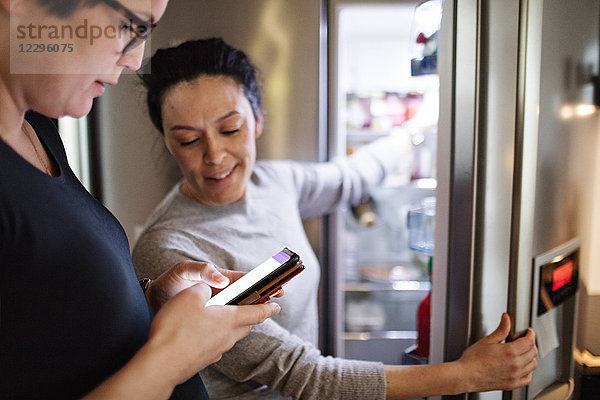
(25, 129)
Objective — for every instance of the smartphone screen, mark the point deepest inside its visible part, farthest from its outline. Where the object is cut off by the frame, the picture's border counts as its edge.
(256, 279)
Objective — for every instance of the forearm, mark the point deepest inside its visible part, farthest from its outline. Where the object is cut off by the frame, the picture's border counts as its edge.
(489, 364)
(386, 153)
(272, 357)
(415, 381)
(143, 377)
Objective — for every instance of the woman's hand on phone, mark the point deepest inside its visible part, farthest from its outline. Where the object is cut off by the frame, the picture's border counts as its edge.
(234, 276)
(186, 333)
(184, 275)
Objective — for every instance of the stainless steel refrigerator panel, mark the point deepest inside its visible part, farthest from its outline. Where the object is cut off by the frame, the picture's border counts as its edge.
(495, 164)
(452, 263)
(525, 164)
(501, 102)
(568, 57)
(564, 159)
(478, 74)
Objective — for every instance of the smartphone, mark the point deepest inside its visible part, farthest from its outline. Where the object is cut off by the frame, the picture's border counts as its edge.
(262, 282)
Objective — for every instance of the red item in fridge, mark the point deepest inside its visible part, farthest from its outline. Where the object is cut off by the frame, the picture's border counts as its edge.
(423, 326)
(421, 39)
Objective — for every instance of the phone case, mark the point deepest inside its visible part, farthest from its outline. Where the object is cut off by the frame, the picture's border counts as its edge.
(262, 282)
(264, 294)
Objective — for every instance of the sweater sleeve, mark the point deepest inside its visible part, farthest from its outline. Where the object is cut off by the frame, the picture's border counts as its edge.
(157, 251)
(271, 356)
(325, 187)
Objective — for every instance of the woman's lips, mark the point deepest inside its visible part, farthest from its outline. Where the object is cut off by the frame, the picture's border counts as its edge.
(222, 177)
(99, 87)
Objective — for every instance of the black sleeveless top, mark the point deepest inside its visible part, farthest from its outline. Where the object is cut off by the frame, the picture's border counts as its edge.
(71, 310)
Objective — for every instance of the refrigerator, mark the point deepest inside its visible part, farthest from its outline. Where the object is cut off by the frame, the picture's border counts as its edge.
(500, 179)
(514, 181)
(383, 81)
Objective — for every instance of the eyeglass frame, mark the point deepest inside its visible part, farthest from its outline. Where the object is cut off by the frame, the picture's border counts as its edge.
(142, 28)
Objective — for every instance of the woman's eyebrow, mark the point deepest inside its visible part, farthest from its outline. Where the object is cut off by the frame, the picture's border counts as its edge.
(229, 114)
(191, 128)
(182, 127)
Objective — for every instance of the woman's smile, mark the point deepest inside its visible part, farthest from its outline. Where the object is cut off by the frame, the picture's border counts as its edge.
(222, 178)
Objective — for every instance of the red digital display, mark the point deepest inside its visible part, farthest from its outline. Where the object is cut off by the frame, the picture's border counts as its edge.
(562, 275)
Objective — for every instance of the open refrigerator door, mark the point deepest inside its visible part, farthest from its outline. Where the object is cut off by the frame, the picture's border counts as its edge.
(383, 89)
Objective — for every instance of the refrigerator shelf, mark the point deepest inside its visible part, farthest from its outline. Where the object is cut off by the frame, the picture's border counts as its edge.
(390, 335)
(381, 310)
(391, 286)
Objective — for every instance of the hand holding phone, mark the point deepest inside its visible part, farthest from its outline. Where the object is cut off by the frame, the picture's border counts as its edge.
(262, 282)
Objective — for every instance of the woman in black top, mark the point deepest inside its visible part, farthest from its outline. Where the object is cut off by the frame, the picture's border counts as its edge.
(74, 321)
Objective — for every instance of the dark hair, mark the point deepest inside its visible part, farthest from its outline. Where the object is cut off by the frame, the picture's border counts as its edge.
(191, 59)
(64, 8)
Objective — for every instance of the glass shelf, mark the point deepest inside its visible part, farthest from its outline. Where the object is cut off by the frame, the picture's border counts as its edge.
(393, 335)
(388, 286)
